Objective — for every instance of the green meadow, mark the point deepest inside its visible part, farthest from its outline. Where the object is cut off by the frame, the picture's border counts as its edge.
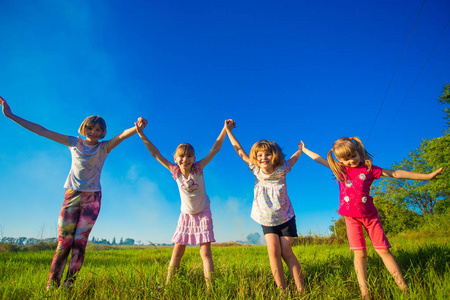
(242, 272)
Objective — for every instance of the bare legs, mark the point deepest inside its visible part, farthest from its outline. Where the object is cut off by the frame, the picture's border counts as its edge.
(393, 268)
(278, 248)
(174, 265)
(389, 262)
(205, 253)
(361, 272)
(208, 264)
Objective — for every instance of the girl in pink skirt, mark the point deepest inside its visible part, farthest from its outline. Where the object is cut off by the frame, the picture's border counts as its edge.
(195, 224)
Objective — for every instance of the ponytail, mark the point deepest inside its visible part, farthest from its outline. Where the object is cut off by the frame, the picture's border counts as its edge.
(365, 156)
(336, 167)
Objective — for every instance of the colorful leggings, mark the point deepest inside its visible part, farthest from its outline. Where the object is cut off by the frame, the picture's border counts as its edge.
(76, 219)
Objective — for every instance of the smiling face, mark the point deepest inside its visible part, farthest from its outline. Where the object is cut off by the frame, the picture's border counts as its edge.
(184, 157)
(185, 161)
(93, 128)
(267, 155)
(265, 161)
(353, 160)
(93, 134)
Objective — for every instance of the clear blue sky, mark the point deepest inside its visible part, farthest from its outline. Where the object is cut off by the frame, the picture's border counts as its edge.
(284, 70)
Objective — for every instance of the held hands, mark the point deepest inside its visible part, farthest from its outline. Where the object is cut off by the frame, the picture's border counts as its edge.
(301, 146)
(140, 125)
(5, 107)
(230, 124)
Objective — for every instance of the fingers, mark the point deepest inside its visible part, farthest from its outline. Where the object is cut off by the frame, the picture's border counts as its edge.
(230, 123)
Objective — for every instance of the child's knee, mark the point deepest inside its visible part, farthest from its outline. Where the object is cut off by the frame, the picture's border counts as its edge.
(287, 253)
(383, 252)
(360, 254)
(205, 252)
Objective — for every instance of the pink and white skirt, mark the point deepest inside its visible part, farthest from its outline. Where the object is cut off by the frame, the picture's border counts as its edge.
(194, 229)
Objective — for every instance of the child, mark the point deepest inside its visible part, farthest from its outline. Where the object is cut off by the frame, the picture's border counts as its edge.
(271, 205)
(355, 173)
(195, 224)
(83, 194)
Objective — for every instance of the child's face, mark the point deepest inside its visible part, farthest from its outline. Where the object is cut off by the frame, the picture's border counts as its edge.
(185, 161)
(93, 134)
(353, 160)
(264, 159)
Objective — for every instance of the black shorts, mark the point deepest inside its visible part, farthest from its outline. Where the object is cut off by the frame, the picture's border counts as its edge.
(286, 229)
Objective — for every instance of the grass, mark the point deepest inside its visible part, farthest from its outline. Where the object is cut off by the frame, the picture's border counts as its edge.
(242, 272)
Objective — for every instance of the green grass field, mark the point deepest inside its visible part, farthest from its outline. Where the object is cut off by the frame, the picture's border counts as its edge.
(242, 272)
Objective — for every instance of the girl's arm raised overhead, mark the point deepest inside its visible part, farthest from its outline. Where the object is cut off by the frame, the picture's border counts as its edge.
(316, 157)
(216, 147)
(237, 147)
(296, 155)
(410, 175)
(140, 125)
(33, 127)
(115, 141)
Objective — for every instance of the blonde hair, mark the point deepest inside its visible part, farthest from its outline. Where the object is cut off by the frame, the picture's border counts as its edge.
(184, 149)
(345, 147)
(90, 122)
(268, 147)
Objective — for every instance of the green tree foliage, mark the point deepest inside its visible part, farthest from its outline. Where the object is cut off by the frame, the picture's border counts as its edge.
(395, 216)
(338, 228)
(445, 99)
(418, 196)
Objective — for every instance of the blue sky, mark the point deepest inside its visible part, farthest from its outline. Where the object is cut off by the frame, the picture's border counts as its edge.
(284, 70)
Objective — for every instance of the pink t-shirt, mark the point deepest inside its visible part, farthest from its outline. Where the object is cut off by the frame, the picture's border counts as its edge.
(354, 200)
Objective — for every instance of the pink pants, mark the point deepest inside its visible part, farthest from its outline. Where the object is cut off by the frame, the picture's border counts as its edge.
(355, 233)
(76, 219)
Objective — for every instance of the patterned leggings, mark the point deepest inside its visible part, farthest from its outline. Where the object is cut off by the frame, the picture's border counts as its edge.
(76, 219)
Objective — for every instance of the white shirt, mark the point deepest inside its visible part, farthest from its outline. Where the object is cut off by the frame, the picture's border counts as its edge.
(192, 189)
(87, 165)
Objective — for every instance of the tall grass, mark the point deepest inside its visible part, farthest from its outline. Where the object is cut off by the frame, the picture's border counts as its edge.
(242, 272)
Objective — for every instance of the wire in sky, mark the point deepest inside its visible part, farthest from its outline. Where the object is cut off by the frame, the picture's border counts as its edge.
(418, 75)
(395, 72)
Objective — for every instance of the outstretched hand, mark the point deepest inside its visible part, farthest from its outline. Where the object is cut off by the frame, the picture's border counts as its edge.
(140, 124)
(230, 124)
(5, 107)
(435, 173)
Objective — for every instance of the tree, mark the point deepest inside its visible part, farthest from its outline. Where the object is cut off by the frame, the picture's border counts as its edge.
(419, 196)
(338, 228)
(445, 99)
(394, 214)
(128, 242)
(254, 238)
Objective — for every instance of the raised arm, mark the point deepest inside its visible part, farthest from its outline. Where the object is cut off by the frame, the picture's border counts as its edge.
(140, 124)
(296, 155)
(410, 175)
(115, 141)
(314, 156)
(216, 147)
(237, 147)
(33, 127)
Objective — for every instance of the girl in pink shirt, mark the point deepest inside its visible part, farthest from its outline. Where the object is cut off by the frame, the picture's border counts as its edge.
(354, 170)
